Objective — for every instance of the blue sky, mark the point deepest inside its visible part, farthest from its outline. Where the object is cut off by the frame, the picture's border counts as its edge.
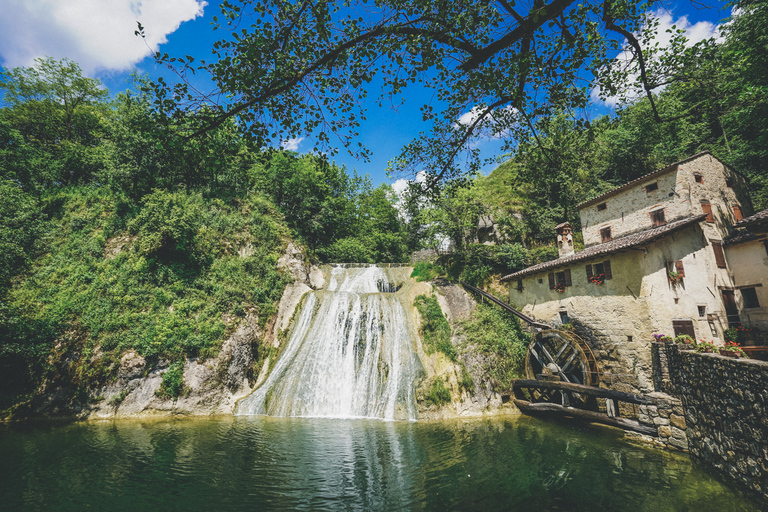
(98, 34)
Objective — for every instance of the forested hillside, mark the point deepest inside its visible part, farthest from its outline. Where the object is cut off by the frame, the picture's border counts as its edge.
(119, 232)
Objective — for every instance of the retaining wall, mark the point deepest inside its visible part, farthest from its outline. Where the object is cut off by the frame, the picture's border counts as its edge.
(725, 402)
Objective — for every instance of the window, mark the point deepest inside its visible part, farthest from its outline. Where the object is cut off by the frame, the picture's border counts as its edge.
(563, 278)
(651, 187)
(605, 234)
(541, 281)
(749, 296)
(563, 317)
(595, 271)
(677, 267)
(717, 248)
(657, 218)
(737, 212)
(601, 207)
(707, 208)
(519, 285)
(698, 177)
(702, 311)
(729, 182)
(683, 327)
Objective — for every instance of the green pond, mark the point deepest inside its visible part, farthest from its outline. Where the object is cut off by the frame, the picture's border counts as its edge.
(261, 463)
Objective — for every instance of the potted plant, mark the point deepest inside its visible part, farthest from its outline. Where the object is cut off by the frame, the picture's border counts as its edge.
(731, 349)
(560, 287)
(597, 279)
(707, 347)
(685, 342)
(674, 277)
(662, 338)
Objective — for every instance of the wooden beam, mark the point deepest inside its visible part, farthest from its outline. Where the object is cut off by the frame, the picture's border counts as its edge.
(584, 390)
(593, 417)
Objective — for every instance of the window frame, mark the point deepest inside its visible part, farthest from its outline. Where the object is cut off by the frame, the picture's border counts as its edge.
(655, 221)
(752, 302)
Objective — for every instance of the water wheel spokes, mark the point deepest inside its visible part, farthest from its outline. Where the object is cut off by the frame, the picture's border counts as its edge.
(562, 355)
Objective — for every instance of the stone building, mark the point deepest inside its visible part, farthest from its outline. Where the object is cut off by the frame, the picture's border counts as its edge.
(653, 263)
(746, 251)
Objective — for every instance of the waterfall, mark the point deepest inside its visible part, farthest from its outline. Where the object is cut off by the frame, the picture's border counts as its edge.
(350, 353)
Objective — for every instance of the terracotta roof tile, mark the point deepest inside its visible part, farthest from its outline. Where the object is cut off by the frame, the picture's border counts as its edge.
(615, 245)
(759, 216)
(740, 237)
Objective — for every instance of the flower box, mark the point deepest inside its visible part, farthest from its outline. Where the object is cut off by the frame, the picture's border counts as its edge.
(730, 353)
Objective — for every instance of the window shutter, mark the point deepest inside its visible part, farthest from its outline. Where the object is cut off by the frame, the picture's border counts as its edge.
(683, 327)
(607, 269)
(717, 247)
(589, 272)
(679, 268)
(707, 208)
(551, 281)
(567, 277)
(737, 212)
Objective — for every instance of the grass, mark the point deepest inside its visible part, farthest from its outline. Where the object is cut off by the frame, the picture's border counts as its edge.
(435, 330)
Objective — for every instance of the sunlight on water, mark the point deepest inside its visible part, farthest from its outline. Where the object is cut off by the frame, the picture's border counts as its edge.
(350, 355)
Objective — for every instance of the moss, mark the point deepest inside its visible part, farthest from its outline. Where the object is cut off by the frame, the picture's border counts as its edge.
(466, 383)
(435, 330)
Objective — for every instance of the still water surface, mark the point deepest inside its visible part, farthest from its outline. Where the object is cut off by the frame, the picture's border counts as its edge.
(261, 463)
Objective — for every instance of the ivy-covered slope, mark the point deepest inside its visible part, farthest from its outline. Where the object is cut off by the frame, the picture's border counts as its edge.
(169, 277)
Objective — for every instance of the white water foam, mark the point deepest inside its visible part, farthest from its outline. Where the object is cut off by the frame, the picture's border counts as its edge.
(350, 355)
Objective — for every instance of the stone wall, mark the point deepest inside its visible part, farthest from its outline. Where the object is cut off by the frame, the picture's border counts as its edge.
(725, 402)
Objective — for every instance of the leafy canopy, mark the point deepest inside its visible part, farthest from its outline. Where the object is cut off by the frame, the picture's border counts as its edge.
(304, 67)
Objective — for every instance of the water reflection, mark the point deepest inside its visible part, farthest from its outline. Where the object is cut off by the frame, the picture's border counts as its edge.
(261, 463)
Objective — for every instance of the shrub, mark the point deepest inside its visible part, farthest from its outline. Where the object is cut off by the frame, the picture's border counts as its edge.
(425, 271)
(438, 393)
(435, 330)
(499, 335)
(173, 381)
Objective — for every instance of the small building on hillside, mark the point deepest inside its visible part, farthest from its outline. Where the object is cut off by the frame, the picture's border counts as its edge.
(653, 263)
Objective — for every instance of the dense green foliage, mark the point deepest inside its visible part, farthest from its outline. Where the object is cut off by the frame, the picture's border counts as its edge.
(498, 335)
(119, 232)
(438, 394)
(435, 330)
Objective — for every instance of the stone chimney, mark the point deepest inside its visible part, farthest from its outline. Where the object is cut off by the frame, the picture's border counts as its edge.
(565, 239)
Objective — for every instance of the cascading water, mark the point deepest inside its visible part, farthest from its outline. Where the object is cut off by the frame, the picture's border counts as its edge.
(351, 353)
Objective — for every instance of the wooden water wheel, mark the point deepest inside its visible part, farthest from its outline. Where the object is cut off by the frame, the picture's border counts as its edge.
(560, 355)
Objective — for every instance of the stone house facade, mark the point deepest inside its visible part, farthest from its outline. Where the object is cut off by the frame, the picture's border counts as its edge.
(653, 263)
(747, 253)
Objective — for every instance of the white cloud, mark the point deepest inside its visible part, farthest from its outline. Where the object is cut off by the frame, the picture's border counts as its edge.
(291, 144)
(97, 34)
(694, 32)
